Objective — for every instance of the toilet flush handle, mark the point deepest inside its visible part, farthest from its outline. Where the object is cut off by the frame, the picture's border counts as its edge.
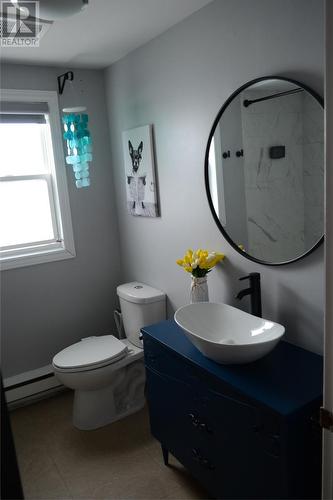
(118, 319)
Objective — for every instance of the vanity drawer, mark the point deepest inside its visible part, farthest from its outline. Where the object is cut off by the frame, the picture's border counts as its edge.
(162, 360)
(169, 363)
(213, 437)
(216, 436)
(172, 410)
(172, 423)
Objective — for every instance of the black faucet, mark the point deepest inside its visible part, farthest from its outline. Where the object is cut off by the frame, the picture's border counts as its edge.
(255, 292)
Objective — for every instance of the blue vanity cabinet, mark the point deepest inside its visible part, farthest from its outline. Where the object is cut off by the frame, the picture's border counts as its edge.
(245, 431)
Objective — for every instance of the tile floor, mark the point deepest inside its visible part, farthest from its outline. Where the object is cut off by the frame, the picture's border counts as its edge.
(119, 461)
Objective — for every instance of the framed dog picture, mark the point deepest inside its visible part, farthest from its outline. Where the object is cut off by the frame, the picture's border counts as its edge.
(140, 172)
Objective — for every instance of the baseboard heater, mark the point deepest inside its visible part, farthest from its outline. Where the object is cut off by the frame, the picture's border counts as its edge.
(25, 388)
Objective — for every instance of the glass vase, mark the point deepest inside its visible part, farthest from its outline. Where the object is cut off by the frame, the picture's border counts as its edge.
(199, 290)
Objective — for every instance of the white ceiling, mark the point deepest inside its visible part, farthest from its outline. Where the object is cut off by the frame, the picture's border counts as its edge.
(104, 32)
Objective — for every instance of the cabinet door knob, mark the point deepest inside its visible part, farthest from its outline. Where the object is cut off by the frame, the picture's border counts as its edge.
(204, 427)
(195, 421)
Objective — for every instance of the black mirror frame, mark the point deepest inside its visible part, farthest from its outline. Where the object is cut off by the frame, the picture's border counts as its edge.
(320, 100)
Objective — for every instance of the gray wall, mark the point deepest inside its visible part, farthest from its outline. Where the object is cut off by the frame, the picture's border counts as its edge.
(46, 307)
(178, 82)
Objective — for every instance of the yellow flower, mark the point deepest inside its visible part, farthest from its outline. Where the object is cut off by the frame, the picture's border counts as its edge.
(199, 262)
(213, 259)
(219, 257)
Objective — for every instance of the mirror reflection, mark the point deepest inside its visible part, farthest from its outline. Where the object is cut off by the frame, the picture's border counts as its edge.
(266, 171)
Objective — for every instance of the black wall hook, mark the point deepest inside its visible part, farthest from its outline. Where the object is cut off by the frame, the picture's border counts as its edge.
(239, 153)
(226, 154)
(69, 75)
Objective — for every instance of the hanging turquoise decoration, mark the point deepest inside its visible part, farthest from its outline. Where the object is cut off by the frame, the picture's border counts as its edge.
(79, 145)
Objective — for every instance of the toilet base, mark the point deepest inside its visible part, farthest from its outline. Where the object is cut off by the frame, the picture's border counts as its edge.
(122, 397)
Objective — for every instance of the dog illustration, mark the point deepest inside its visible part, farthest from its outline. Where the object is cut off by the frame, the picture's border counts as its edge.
(136, 181)
(136, 155)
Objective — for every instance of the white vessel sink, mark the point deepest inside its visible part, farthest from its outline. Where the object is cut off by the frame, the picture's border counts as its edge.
(226, 334)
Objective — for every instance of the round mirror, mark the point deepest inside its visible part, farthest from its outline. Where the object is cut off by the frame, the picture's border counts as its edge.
(264, 170)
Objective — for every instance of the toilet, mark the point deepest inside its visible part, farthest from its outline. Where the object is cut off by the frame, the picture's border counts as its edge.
(107, 373)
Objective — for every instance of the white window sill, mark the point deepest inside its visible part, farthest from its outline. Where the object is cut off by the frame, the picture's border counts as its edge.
(33, 258)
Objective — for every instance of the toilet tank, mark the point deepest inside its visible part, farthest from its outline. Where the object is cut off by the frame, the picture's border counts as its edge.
(140, 305)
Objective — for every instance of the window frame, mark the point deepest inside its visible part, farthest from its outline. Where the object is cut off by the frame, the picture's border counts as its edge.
(63, 246)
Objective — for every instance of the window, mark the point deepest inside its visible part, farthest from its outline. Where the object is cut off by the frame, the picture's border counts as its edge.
(35, 221)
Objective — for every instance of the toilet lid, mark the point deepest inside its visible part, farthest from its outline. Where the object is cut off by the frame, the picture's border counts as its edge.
(90, 352)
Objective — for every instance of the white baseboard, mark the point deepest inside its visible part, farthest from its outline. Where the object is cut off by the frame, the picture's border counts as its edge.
(31, 386)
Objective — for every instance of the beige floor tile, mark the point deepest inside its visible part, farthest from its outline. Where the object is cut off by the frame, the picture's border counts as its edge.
(169, 483)
(151, 487)
(119, 461)
(87, 475)
(181, 485)
(40, 477)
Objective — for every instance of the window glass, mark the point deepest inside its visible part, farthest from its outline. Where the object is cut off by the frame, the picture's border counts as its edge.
(25, 213)
(22, 148)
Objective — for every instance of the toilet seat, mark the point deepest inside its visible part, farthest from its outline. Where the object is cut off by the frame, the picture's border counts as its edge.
(90, 353)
